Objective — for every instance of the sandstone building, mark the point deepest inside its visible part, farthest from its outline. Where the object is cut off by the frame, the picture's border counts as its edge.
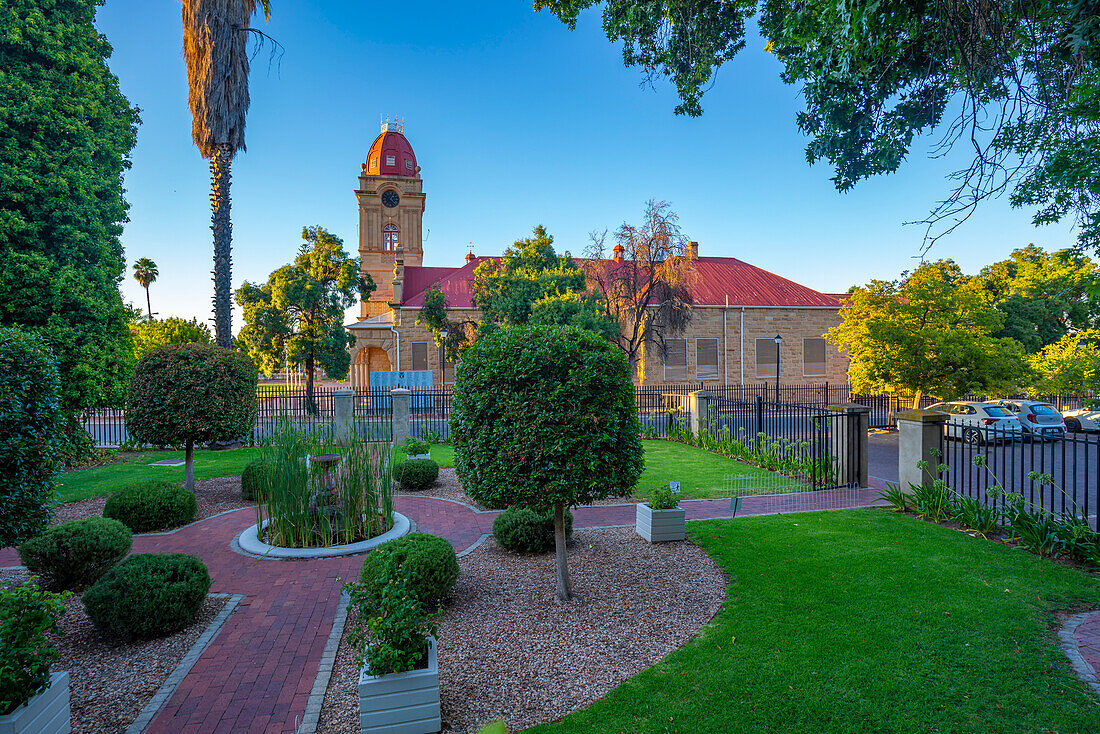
(739, 309)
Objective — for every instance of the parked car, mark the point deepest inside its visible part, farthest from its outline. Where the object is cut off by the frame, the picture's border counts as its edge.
(1082, 419)
(979, 422)
(1038, 419)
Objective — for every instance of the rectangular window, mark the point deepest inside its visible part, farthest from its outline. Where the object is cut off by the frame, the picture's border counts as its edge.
(706, 359)
(813, 357)
(420, 355)
(676, 367)
(374, 163)
(391, 160)
(408, 165)
(766, 364)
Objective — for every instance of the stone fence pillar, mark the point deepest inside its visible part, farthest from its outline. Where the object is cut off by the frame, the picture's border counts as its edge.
(919, 432)
(343, 412)
(850, 439)
(699, 403)
(399, 399)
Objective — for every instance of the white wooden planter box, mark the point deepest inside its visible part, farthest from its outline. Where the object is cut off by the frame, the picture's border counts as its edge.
(658, 526)
(410, 457)
(401, 703)
(46, 713)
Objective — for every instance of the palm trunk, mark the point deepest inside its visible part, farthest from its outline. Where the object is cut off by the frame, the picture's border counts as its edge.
(565, 586)
(222, 225)
(189, 467)
(148, 304)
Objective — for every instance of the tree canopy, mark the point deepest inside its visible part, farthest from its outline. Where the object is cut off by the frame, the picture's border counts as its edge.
(66, 133)
(530, 283)
(923, 334)
(1070, 365)
(298, 315)
(156, 333)
(1016, 82)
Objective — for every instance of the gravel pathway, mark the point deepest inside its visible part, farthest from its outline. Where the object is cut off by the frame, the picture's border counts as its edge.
(448, 487)
(111, 682)
(508, 650)
(213, 496)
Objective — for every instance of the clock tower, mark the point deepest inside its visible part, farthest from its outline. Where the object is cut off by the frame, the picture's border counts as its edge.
(391, 210)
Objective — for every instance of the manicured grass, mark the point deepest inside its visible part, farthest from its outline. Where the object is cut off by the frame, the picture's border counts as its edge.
(864, 621)
(441, 454)
(700, 473)
(134, 466)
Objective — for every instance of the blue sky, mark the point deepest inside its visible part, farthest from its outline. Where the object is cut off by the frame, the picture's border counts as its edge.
(515, 121)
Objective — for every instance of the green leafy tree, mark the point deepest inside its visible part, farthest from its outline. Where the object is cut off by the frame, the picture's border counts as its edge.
(1043, 296)
(66, 133)
(1070, 365)
(192, 393)
(530, 283)
(215, 48)
(145, 272)
(157, 333)
(925, 334)
(298, 315)
(1016, 82)
(545, 417)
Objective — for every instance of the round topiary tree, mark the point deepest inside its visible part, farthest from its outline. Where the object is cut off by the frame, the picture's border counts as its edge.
(192, 393)
(30, 435)
(545, 417)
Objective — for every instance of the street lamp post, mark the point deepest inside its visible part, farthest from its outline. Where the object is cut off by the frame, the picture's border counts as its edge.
(443, 360)
(778, 372)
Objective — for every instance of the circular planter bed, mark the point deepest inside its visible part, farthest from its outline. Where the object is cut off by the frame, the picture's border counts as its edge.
(249, 542)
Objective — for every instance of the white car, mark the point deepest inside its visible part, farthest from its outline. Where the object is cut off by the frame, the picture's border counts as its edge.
(1038, 419)
(979, 422)
(1082, 419)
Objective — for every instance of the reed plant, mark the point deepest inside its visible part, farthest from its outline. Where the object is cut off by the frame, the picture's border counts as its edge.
(308, 505)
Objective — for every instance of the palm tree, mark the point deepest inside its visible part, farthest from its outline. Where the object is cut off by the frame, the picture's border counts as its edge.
(215, 36)
(145, 272)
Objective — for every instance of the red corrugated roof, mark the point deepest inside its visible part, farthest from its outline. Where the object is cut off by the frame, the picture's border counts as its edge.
(716, 278)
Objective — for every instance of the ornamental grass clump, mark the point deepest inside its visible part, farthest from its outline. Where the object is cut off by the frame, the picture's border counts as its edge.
(76, 553)
(27, 614)
(308, 504)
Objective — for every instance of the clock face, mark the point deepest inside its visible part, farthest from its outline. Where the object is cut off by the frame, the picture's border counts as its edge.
(390, 198)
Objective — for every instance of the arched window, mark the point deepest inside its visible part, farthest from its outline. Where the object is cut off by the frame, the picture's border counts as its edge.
(389, 237)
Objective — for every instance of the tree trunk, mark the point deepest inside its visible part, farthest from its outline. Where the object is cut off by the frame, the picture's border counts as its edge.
(222, 225)
(148, 304)
(311, 407)
(565, 586)
(917, 395)
(189, 467)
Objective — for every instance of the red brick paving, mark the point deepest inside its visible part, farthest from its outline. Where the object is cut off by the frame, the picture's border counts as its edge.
(256, 674)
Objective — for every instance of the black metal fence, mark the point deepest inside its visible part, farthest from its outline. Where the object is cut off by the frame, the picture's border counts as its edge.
(1055, 475)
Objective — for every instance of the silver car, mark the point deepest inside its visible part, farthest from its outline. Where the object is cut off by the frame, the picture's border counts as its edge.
(979, 422)
(1038, 419)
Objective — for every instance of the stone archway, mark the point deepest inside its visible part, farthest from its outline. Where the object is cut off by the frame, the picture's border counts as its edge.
(367, 360)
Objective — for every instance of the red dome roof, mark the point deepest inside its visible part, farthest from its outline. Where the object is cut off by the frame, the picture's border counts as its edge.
(390, 154)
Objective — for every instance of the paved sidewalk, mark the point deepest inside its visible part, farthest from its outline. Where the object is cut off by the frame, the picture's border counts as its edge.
(257, 673)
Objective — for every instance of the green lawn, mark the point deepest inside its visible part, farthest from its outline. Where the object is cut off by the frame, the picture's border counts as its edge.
(441, 454)
(134, 466)
(700, 473)
(864, 621)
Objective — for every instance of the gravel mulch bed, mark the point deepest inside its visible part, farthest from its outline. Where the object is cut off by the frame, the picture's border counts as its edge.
(506, 649)
(111, 681)
(213, 495)
(449, 488)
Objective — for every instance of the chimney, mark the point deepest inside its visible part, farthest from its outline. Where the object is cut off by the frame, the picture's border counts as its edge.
(470, 257)
(692, 250)
(619, 252)
(398, 276)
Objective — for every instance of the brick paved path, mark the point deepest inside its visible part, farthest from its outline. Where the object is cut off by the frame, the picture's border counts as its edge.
(257, 672)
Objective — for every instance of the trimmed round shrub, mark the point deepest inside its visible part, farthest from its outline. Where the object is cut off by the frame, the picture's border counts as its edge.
(31, 432)
(524, 530)
(76, 553)
(155, 504)
(148, 595)
(430, 557)
(416, 473)
(254, 477)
